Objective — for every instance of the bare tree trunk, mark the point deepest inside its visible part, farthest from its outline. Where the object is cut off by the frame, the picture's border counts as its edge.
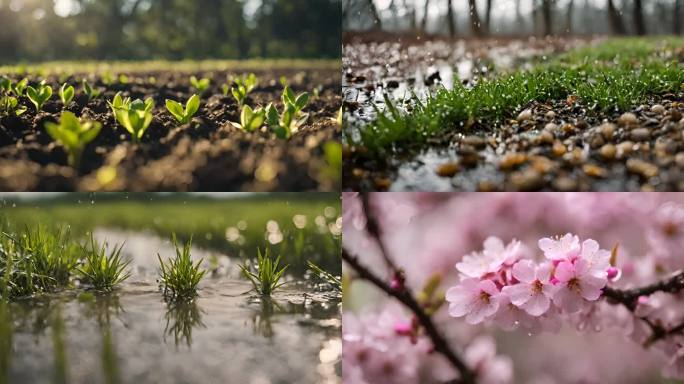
(377, 24)
(518, 15)
(423, 25)
(488, 17)
(450, 16)
(547, 14)
(568, 17)
(411, 11)
(475, 24)
(616, 23)
(676, 20)
(639, 25)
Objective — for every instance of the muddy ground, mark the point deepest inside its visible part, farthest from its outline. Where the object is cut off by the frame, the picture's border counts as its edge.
(558, 145)
(209, 154)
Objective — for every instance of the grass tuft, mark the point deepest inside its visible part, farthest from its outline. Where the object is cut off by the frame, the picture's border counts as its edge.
(100, 270)
(179, 277)
(609, 77)
(268, 273)
(326, 276)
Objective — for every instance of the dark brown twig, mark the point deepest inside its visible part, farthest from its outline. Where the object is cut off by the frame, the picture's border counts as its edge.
(440, 344)
(629, 298)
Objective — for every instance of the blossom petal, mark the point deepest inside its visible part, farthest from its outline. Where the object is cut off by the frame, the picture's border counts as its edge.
(518, 294)
(565, 271)
(537, 305)
(525, 271)
(568, 300)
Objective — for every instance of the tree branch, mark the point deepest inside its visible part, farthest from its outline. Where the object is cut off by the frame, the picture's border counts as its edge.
(629, 298)
(440, 344)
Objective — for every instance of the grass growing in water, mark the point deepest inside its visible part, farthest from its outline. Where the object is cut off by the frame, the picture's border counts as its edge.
(179, 276)
(268, 273)
(326, 276)
(100, 270)
(613, 76)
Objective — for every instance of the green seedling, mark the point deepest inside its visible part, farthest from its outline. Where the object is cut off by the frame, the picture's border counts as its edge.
(266, 278)
(179, 276)
(9, 106)
(244, 86)
(39, 95)
(325, 276)
(100, 270)
(90, 92)
(250, 119)
(66, 94)
(200, 85)
(184, 115)
(135, 116)
(225, 88)
(292, 118)
(5, 85)
(20, 87)
(73, 135)
(123, 79)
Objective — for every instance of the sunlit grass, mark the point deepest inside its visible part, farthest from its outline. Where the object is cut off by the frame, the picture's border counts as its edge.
(179, 276)
(610, 77)
(268, 274)
(325, 276)
(100, 270)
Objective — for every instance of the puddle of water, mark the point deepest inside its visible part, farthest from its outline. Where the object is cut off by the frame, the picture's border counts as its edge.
(133, 335)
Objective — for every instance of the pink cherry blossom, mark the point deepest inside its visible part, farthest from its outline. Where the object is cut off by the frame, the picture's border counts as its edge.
(534, 291)
(475, 299)
(563, 248)
(490, 260)
(481, 356)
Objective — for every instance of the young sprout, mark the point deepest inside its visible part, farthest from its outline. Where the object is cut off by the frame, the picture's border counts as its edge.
(250, 119)
(183, 115)
(268, 273)
(100, 270)
(5, 85)
(135, 116)
(325, 276)
(225, 88)
(200, 85)
(19, 88)
(89, 91)
(245, 85)
(292, 118)
(10, 106)
(179, 276)
(40, 95)
(123, 79)
(66, 94)
(73, 135)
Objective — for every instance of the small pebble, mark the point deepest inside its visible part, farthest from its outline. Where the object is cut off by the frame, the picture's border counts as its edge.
(551, 127)
(675, 115)
(641, 167)
(475, 141)
(358, 173)
(679, 159)
(658, 109)
(558, 149)
(550, 115)
(608, 152)
(596, 141)
(382, 183)
(608, 131)
(486, 186)
(628, 119)
(528, 180)
(545, 137)
(568, 129)
(448, 169)
(511, 160)
(640, 134)
(594, 170)
(525, 115)
(565, 184)
(625, 148)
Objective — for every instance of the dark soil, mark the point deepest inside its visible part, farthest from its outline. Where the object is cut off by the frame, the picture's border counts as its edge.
(209, 154)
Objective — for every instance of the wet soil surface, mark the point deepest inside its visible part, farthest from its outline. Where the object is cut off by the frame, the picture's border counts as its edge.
(558, 145)
(226, 335)
(209, 154)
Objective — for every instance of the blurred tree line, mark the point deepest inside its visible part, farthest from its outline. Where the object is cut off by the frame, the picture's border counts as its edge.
(516, 17)
(39, 30)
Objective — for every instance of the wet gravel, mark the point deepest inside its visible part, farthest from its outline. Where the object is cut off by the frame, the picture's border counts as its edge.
(559, 145)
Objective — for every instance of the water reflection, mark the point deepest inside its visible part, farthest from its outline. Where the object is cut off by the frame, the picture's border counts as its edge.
(5, 341)
(102, 308)
(58, 346)
(181, 317)
(261, 320)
